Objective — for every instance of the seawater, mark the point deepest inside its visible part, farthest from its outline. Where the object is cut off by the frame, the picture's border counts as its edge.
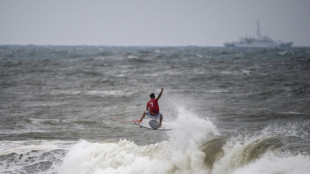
(65, 109)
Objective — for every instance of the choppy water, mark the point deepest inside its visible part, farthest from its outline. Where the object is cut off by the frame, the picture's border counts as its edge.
(234, 110)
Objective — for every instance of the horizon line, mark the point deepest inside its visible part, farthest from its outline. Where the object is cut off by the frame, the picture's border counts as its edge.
(95, 45)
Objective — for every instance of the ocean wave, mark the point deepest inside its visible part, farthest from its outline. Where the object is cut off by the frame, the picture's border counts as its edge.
(110, 93)
(180, 154)
(101, 93)
(258, 98)
(273, 164)
(60, 121)
(36, 156)
(295, 128)
(193, 146)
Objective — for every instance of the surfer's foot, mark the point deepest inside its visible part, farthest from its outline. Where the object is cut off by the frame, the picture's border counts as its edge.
(159, 126)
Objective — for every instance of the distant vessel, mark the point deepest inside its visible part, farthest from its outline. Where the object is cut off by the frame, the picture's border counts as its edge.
(260, 41)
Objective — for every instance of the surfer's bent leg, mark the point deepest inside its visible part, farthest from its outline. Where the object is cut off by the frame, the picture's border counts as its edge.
(160, 119)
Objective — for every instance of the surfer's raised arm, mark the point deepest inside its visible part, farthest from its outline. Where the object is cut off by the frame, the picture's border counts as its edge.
(159, 95)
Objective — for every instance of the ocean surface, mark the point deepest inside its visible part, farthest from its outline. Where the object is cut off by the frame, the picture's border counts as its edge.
(67, 110)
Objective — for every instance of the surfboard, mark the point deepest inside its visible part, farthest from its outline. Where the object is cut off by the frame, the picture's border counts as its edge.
(152, 124)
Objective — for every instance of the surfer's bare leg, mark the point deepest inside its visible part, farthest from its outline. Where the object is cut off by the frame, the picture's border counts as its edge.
(142, 117)
(160, 119)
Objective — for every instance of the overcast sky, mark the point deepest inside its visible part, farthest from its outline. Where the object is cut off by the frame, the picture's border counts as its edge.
(151, 22)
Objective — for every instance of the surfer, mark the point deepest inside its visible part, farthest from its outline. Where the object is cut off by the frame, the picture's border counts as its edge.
(152, 108)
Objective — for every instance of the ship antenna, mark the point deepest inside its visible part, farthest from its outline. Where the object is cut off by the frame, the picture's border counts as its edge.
(258, 30)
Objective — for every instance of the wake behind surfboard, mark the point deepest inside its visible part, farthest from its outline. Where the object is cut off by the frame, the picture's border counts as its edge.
(152, 124)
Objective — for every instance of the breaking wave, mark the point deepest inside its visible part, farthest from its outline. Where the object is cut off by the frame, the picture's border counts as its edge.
(194, 146)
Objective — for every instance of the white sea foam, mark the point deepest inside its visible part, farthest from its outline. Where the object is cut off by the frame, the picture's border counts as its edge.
(190, 130)
(133, 57)
(262, 154)
(180, 154)
(235, 161)
(110, 93)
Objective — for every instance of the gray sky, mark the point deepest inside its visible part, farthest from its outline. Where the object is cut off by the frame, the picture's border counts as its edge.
(151, 22)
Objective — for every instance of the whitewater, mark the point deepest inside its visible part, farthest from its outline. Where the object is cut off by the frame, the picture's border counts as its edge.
(66, 110)
(194, 146)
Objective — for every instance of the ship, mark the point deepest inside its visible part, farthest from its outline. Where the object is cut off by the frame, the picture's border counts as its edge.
(259, 42)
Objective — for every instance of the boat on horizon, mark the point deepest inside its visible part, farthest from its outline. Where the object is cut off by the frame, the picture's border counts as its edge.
(259, 42)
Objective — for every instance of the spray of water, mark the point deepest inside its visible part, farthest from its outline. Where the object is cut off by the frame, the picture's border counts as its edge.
(193, 146)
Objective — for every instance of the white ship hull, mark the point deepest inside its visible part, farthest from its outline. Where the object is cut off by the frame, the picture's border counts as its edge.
(259, 45)
(259, 42)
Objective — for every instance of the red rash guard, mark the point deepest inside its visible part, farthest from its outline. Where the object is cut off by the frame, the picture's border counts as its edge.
(153, 106)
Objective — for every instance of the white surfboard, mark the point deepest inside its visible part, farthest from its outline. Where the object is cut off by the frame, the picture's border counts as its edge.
(147, 124)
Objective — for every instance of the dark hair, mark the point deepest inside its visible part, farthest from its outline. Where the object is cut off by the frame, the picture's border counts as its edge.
(152, 95)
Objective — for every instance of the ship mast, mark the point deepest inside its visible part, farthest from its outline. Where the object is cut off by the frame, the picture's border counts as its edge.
(258, 30)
